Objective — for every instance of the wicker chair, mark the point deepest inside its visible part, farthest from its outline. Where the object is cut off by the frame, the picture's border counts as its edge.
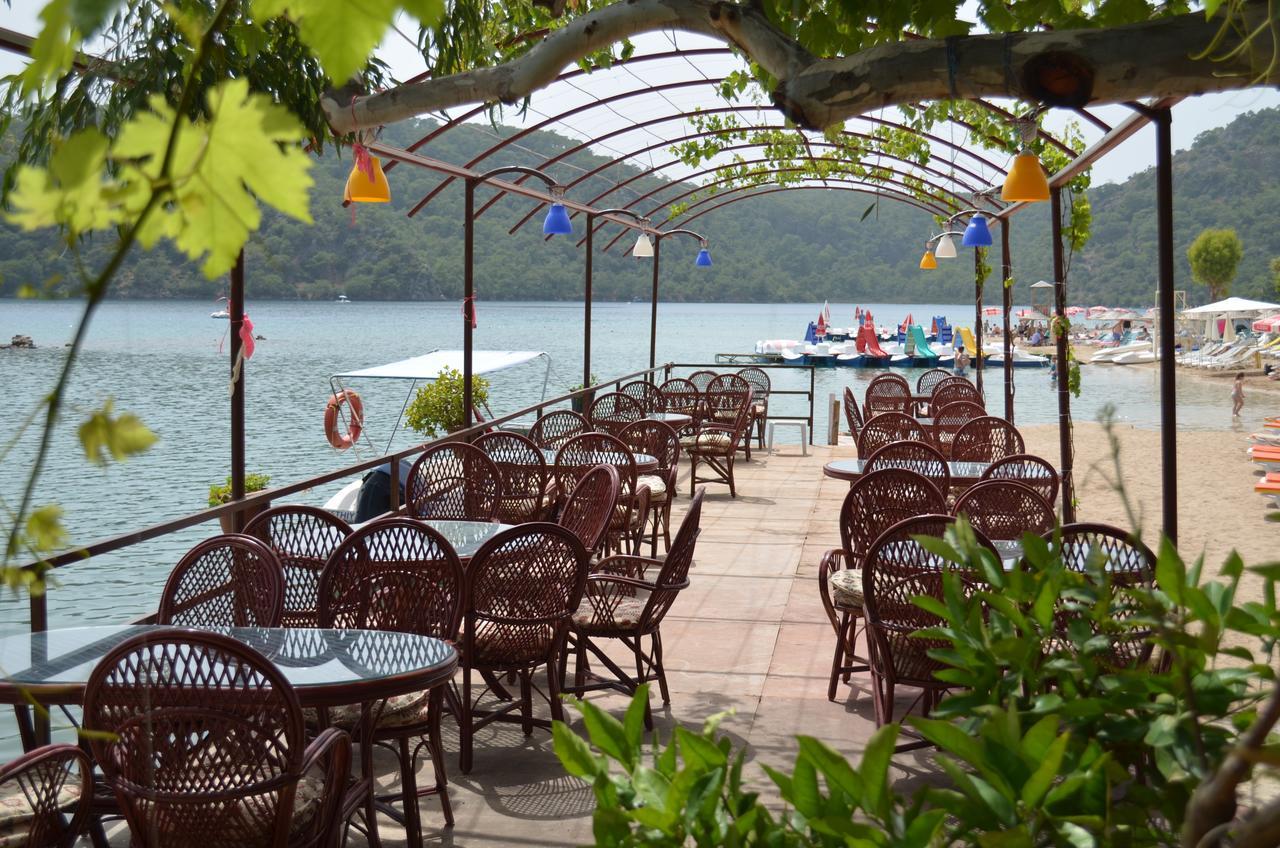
(587, 510)
(852, 414)
(986, 439)
(702, 379)
(953, 389)
(920, 457)
(626, 599)
(889, 427)
(398, 574)
(715, 441)
(202, 740)
(1006, 509)
(302, 537)
(681, 396)
(523, 587)
(1030, 470)
(658, 440)
(947, 421)
(582, 453)
(526, 489)
(555, 428)
(761, 386)
(454, 481)
(886, 393)
(611, 412)
(726, 385)
(45, 797)
(1126, 563)
(646, 394)
(226, 581)
(898, 568)
(929, 379)
(875, 503)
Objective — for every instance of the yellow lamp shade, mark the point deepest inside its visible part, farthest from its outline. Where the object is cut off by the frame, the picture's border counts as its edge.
(361, 189)
(1026, 181)
(927, 262)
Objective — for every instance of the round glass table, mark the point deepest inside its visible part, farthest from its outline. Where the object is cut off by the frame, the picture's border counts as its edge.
(644, 462)
(466, 537)
(962, 473)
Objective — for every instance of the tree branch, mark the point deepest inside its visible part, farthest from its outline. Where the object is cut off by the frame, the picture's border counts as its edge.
(1063, 67)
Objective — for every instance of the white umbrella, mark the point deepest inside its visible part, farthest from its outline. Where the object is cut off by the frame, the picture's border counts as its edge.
(1229, 334)
(1233, 306)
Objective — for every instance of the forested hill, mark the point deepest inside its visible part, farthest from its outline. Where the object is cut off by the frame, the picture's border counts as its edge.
(801, 246)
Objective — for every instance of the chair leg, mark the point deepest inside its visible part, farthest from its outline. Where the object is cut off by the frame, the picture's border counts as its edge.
(648, 710)
(693, 474)
(838, 660)
(655, 516)
(409, 795)
(658, 668)
(435, 747)
(555, 683)
(464, 724)
(526, 702)
(733, 492)
(666, 525)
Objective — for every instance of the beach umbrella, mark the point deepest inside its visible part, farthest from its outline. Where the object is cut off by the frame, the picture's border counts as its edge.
(1270, 324)
(1095, 311)
(1074, 311)
(1229, 331)
(991, 310)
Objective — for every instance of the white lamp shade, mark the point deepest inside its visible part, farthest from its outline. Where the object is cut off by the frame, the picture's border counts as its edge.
(643, 248)
(946, 248)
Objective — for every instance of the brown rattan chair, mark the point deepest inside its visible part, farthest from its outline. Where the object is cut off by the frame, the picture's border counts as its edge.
(1030, 470)
(761, 386)
(953, 389)
(526, 487)
(929, 379)
(875, 502)
(924, 459)
(587, 510)
(202, 740)
(454, 481)
(582, 453)
(986, 439)
(626, 599)
(889, 427)
(45, 796)
(646, 394)
(523, 587)
(682, 397)
(852, 414)
(611, 412)
(725, 413)
(302, 537)
(555, 428)
(715, 442)
(658, 440)
(947, 421)
(898, 568)
(1006, 509)
(400, 575)
(702, 379)
(227, 581)
(886, 393)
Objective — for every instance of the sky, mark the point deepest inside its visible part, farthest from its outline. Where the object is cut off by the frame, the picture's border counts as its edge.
(1190, 118)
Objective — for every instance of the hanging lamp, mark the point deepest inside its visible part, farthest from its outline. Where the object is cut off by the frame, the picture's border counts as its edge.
(946, 248)
(557, 222)
(977, 234)
(1026, 181)
(704, 257)
(644, 247)
(928, 262)
(366, 183)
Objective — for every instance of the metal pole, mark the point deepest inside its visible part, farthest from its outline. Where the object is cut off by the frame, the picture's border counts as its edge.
(1061, 366)
(653, 307)
(586, 309)
(468, 302)
(1006, 262)
(1168, 391)
(236, 306)
(977, 318)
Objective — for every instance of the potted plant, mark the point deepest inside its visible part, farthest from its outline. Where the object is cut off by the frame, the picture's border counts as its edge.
(220, 494)
(582, 403)
(437, 409)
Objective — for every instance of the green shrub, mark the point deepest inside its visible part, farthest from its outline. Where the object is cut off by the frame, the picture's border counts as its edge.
(221, 494)
(437, 408)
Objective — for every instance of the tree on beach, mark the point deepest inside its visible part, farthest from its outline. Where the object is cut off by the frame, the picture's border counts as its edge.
(1214, 257)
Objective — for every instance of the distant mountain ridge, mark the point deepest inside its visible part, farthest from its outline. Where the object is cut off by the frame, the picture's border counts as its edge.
(798, 246)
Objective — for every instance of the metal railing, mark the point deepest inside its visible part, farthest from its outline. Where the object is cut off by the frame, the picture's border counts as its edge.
(719, 368)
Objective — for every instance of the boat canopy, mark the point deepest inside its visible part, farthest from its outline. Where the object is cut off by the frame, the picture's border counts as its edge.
(429, 365)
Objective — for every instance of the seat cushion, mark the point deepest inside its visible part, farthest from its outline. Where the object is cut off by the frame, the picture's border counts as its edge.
(707, 442)
(846, 589)
(657, 487)
(399, 711)
(625, 614)
(16, 812)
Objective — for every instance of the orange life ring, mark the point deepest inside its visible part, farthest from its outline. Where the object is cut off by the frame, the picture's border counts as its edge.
(338, 439)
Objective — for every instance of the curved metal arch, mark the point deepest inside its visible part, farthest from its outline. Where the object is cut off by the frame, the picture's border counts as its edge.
(729, 197)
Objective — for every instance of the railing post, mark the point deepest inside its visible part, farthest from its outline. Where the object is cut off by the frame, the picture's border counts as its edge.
(235, 306)
(812, 373)
(1006, 303)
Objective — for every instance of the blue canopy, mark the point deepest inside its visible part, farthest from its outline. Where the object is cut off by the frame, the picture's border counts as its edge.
(811, 334)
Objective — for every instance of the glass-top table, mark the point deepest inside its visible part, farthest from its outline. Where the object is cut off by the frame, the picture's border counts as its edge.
(644, 462)
(466, 537)
(962, 473)
(675, 419)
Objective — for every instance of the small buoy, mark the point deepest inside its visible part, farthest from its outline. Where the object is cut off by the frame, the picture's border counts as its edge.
(260, 337)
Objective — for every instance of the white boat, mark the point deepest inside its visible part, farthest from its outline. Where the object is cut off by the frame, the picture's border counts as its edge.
(1135, 357)
(1109, 354)
(342, 298)
(221, 313)
(994, 356)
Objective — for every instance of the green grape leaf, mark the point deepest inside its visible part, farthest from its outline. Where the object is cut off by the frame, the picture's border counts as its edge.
(120, 436)
(70, 191)
(45, 531)
(87, 15)
(53, 51)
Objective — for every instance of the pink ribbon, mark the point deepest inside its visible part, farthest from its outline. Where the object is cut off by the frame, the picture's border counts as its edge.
(246, 337)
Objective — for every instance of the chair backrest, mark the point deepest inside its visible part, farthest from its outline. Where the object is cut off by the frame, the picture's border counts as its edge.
(879, 500)
(729, 383)
(924, 459)
(523, 585)
(582, 453)
(886, 393)
(729, 403)
(852, 414)
(888, 427)
(702, 379)
(1029, 470)
(302, 537)
(47, 784)
(587, 509)
(227, 581)
(657, 439)
(682, 396)
(986, 439)
(555, 428)
(1006, 509)
(952, 389)
(394, 574)
(674, 574)
(611, 412)
(929, 379)
(646, 394)
(898, 568)
(454, 481)
(200, 736)
(761, 385)
(947, 420)
(523, 472)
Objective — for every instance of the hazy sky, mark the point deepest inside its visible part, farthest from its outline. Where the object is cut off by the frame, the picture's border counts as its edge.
(1191, 117)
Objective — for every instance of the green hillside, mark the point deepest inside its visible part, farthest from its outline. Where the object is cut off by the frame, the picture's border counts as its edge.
(790, 246)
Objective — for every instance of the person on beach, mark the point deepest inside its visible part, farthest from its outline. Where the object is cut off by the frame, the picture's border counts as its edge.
(1237, 395)
(962, 361)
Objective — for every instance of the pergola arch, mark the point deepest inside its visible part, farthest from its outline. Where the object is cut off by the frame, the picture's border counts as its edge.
(730, 197)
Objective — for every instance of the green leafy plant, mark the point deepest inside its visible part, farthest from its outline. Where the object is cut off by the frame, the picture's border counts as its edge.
(221, 494)
(437, 407)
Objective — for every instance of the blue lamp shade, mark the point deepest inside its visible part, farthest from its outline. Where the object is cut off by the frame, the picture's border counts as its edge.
(704, 258)
(558, 223)
(977, 234)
